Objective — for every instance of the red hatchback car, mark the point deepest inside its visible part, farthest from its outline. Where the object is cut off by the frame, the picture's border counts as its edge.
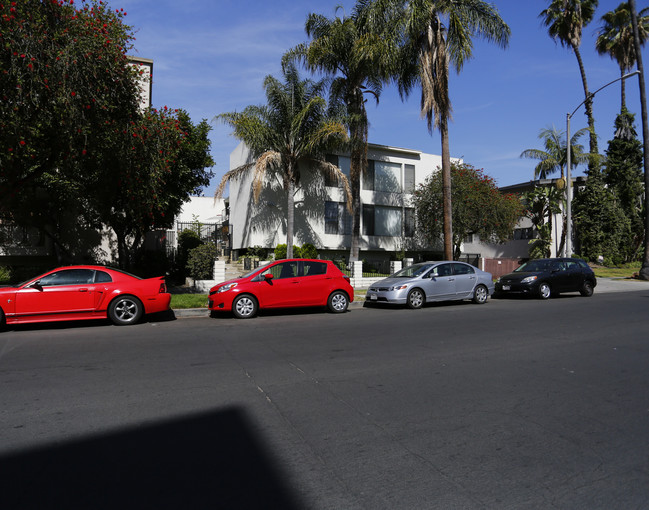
(285, 283)
(83, 292)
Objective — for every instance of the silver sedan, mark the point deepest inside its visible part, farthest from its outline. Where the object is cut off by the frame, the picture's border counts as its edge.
(426, 282)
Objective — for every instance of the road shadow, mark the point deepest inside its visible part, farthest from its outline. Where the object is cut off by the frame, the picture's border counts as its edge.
(214, 460)
(276, 312)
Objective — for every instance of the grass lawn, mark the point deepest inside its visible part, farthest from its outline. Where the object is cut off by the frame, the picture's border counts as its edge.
(625, 271)
(179, 301)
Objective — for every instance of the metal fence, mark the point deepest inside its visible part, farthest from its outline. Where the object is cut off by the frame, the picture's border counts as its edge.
(218, 233)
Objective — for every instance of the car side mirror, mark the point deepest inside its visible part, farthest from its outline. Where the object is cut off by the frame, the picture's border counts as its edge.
(37, 285)
(268, 276)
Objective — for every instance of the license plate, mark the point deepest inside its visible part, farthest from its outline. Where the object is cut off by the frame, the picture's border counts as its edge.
(373, 297)
(506, 287)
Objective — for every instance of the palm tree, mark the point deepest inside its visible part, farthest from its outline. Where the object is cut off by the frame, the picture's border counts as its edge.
(565, 20)
(435, 34)
(353, 61)
(616, 39)
(293, 130)
(554, 157)
(644, 270)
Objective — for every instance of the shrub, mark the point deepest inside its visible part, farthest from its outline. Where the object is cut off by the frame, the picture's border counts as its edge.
(308, 251)
(5, 274)
(280, 252)
(200, 261)
(257, 252)
(188, 240)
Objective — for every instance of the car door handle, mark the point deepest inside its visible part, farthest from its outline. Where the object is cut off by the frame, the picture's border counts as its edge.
(83, 290)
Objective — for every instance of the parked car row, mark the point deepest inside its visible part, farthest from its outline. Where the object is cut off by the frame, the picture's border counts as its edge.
(92, 292)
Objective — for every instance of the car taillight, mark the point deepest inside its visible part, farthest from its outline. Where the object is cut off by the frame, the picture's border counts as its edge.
(163, 288)
(346, 278)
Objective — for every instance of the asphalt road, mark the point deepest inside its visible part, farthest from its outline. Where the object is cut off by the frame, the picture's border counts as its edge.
(513, 404)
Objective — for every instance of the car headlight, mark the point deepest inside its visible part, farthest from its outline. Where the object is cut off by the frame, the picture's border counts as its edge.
(400, 287)
(225, 288)
(529, 279)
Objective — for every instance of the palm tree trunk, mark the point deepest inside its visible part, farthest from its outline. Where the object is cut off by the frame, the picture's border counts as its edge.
(290, 215)
(446, 190)
(644, 271)
(358, 162)
(593, 162)
(622, 91)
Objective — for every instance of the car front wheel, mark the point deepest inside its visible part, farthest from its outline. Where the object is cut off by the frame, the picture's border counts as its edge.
(544, 291)
(586, 289)
(480, 295)
(125, 310)
(338, 302)
(416, 299)
(244, 307)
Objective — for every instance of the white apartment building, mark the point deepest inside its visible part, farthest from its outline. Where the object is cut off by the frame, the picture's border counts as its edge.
(321, 216)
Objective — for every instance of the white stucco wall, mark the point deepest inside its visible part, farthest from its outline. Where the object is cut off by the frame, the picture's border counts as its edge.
(204, 209)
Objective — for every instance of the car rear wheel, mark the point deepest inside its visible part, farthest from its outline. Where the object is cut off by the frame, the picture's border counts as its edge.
(125, 310)
(2, 320)
(545, 291)
(244, 307)
(480, 295)
(586, 289)
(416, 299)
(338, 302)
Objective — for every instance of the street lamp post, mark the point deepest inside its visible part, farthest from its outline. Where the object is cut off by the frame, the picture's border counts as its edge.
(568, 245)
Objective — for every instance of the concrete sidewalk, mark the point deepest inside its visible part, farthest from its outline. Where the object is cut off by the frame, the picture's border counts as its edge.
(603, 285)
(620, 285)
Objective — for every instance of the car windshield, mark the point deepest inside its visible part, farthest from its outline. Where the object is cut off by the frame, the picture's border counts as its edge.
(414, 270)
(256, 270)
(534, 266)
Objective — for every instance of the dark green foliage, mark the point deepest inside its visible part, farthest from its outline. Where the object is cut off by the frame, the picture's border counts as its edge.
(200, 262)
(543, 202)
(257, 252)
(72, 133)
(5, 275)
(623, 175)
(601, 227)
(280, 252)
(308, 251)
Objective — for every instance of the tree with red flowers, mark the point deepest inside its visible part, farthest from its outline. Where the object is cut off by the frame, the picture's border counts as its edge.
(76, 152)
(63, 78)
(478, 208)
(157, 161)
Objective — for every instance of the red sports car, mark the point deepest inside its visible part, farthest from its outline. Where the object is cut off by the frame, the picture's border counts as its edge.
(83, 292)
(285, 283)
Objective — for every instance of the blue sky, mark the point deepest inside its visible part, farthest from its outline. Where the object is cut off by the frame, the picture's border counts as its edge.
(211, 56)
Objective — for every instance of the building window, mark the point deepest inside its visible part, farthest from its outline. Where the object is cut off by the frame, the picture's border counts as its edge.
(337, 219)
(381, 221)
(368, 178)
(341, 162)
(523, 233)
(409, 179)
(409, 224)
(382, 176)
(387, 177)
